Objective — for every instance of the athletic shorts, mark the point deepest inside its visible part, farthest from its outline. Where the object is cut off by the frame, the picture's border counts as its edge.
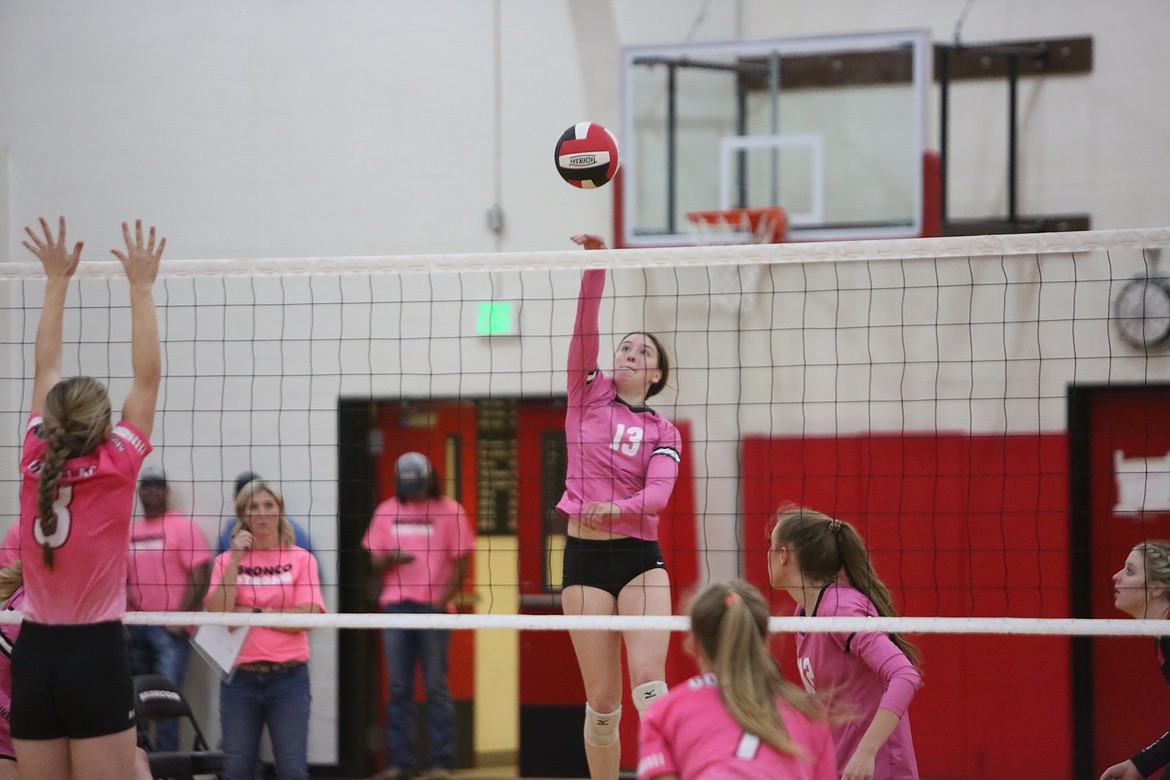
(609, 564)
(71, 681)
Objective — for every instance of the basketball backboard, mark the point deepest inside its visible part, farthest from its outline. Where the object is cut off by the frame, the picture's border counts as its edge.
(831, 129)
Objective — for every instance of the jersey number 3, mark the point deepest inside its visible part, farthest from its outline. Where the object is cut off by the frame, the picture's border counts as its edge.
(633, 440)
(61, 507)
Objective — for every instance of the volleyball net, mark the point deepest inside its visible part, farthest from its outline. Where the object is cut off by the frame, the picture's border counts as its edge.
(927, 391)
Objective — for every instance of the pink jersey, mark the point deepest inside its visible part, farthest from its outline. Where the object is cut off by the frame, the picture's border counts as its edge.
(273, 579)
(95, 498)
(691, 734)
(435, 531)
(163, 552)
(10, 547)
(625, 454)
(860, 672)
(8, 634)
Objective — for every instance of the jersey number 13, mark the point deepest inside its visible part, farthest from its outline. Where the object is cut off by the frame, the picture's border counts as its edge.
(633, 440)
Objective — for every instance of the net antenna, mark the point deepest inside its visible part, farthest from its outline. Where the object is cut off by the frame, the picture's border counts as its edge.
(739, 226)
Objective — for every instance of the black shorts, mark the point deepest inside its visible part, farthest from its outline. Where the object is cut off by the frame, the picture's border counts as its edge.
(71, 681)
(609, 564)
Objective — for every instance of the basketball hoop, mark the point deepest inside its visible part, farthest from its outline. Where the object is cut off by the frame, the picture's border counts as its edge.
(739, 226)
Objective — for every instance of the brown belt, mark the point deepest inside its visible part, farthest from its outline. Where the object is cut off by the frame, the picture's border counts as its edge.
(267, 667)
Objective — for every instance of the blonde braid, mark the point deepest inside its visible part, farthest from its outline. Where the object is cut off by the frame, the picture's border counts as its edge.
(1157, 560)
(75, 418)
(47, 489)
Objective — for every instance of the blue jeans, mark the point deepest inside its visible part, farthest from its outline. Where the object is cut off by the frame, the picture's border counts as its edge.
(249, 701)
(406, 648)
(154, 650)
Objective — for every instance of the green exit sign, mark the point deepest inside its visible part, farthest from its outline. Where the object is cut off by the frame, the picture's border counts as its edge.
(496, 319)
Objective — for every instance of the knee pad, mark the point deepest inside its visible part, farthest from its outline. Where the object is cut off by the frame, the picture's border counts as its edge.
(601, 728)
(647, 693)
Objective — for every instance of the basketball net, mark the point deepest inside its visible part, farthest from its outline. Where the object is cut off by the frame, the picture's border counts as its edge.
(739, 226)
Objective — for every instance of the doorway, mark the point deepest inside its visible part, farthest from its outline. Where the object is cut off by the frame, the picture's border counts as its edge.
(479, 449)
(1119, 442)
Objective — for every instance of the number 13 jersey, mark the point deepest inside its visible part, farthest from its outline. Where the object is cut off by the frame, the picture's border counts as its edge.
(628, 455)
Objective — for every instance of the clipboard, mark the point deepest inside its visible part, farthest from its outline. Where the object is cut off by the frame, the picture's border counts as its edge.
(220, 646)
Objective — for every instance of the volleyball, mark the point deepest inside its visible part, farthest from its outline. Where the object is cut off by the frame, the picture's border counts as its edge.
(586, 155)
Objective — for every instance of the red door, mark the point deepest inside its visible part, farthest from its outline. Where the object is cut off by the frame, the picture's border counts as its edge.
(444, 431)
(1129, 446)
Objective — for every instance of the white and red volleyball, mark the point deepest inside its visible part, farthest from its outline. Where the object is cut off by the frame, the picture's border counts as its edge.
(586, 155)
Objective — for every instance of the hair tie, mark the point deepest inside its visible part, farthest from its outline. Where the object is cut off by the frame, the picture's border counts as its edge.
(732, 597)
(835, 525)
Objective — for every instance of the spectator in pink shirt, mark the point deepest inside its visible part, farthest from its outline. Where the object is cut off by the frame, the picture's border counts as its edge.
(167, 571)
(78, 473)
(739, 718)
(869, 677)
(12, 596)
(419, 543)
(264, 571)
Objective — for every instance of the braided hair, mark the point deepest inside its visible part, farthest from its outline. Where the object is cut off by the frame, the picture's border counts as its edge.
(1156, 556)
(76, 419)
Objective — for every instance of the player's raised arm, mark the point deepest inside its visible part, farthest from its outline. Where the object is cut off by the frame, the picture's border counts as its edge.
(141, 261)
(59, 263)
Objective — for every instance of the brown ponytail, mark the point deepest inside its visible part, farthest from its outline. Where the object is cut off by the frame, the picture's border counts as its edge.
(826, 547)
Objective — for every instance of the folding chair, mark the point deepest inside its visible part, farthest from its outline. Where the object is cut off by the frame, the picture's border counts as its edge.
(157, 698)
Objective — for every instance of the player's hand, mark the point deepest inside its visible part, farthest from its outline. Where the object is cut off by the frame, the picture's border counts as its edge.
(58, 261)
(589, 240)
(596, 512)
(141, 258)
(860, 767)
(1122, 771)
(176, 630)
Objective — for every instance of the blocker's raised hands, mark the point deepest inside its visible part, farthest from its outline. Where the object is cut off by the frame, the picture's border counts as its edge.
(141, 259)
(58, 261)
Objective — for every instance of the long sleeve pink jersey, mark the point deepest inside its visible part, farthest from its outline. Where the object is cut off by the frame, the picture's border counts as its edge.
(624, 454)
(860, 672)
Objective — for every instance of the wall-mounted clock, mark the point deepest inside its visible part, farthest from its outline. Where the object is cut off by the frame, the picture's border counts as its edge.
(1141, 312)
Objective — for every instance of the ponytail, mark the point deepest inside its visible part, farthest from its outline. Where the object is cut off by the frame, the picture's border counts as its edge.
(825, 548)
(730, 623)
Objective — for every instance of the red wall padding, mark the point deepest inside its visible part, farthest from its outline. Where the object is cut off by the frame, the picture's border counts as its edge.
(959, 526)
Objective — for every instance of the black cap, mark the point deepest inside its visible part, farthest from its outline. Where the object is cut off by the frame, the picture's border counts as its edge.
(244, 479)
(152, 477)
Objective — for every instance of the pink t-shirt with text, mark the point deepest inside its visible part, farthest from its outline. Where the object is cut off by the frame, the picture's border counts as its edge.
(8, 635)
(860, 672)
(95, 498)
(436, 531)
(283, 578)
(163, 552)
(628, 455)
(690, 733)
